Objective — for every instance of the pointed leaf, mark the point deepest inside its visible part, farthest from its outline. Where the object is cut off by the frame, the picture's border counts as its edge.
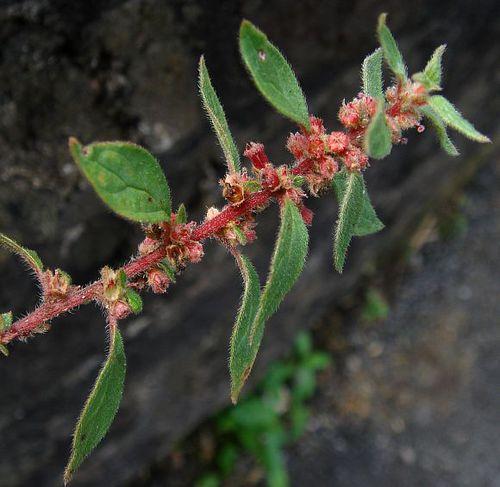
(29, 256)
(5, 321)
(101, 405)
(240, 349)
(126, 177)
(372, 75)
(4, 350)
(432, 74)
(286, 265)
(349, 212)
(216, 114)
(452, 117)
(272, 74)
(367, 222)
(433, 69)
(440, 130)
(377, 141)
(181, 215)
(390, 47)
(134, 300)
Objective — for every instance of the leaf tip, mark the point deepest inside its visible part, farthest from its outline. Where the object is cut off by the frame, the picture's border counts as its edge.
(382, 20)
(68, 475)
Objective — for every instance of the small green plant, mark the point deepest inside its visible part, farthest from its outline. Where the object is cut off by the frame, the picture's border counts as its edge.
(274, 416)
(131, 182)
(375, 307)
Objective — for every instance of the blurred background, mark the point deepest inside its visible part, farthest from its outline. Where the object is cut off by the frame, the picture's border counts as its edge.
(396, 383)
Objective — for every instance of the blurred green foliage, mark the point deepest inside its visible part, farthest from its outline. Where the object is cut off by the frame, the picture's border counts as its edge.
(375, 307)
(274, 416)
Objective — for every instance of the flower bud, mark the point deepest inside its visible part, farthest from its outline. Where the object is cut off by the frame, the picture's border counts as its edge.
(317, 127)
(297, 144)
(256, 153)
(307, 215)
(158, 280)
(195, 251)
(355, 159)
(148, 245)
(337, 142)
(120, 309)
(112, 288)
(58, 282)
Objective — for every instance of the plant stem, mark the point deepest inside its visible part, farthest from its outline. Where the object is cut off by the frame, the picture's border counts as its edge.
(77, 296)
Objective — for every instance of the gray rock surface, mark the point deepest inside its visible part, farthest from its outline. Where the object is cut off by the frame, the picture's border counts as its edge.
(417, 402)
(127, 69)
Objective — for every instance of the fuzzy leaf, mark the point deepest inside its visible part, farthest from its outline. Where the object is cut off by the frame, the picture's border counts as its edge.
(350, 208)
(134, 300)
(377, 141)
(390, 47)
(452, 117)
(29, 256)
(372, 75)
(368, 221)
(440, 130)
(126, 177)
(432, 74)
(216, 114)
(167, 268)
(241, 354)
(181, 214)
(272, 74)
(286, 265)
(101, 405)
(5, 321)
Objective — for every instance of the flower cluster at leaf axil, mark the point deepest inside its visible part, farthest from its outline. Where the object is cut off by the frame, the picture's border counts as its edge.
(175, 237)
(371, 124)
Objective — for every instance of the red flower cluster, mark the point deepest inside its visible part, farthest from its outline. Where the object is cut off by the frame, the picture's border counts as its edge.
(357, 114)
(279, 180)
(402, 114)
(180, 247)
(311, 151)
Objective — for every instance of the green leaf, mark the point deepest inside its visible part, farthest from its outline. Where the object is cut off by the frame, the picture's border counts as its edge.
(134, 300)
(4, 350)
(29, 256)
(367, 222)
(287, 262)
(452, 117)
(377, 141)
(375, 307)
(101, 405)
(303, 344)
(351, 205)
(240, 235)
(272, 74)
(372, 75)
(241, 355)
(126, 177)
(216, 114)
(432, 74)
(440, 130)
(167, 268)
(5, 321)
(181, 214)
(390, 47)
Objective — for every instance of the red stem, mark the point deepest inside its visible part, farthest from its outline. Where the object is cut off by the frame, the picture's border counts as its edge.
(78, 296)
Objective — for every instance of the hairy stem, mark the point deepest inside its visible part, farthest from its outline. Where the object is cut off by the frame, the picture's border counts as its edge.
(78, 296)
